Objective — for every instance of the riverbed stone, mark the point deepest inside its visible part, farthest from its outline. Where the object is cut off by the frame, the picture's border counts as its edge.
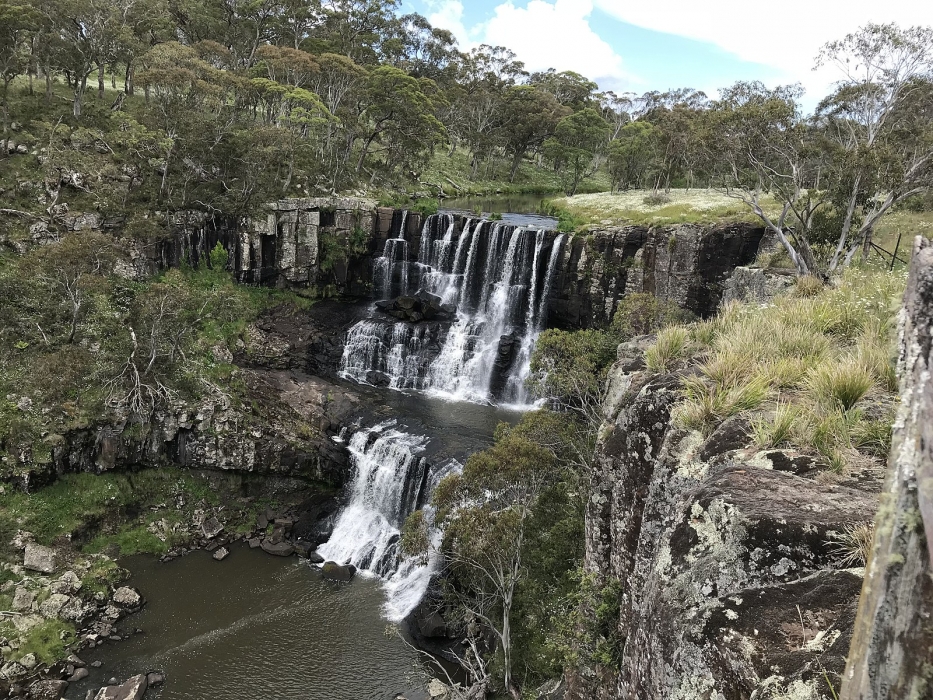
(279, 549)
(48, 690)
(155, 679)
(24, 623)
(127, 597)
(39, 558)
(22, 599)
(133, 689)
(221, 553)
(69, 583)
(79, 675)
(211, 527)
(333, 571)
(315, 558)
(52, 606)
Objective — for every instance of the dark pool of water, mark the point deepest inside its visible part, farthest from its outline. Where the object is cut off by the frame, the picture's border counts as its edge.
(256, 627)
(520, 210)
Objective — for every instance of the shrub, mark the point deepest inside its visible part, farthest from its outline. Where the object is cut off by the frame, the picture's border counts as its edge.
(839, 384)
(640, 314)
(657, 199)
(671, 345)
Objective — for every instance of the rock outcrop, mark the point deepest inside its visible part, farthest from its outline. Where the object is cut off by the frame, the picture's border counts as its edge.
(891, 649)
(686, 264)
(729, 578)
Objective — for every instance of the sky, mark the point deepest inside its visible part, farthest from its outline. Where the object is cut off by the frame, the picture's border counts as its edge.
(642, 45)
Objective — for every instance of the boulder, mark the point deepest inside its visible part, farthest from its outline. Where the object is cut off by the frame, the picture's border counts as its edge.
(279, 549)
(332, 571)
(315, 558)
(155, 679)
(39, 558)
(69, 583)
(52, 606)
(79, 675)
(211, 527)
(221, 553)
(127, 597)
(133, 689)
(48, 690)
(22, 599)
(254, 542)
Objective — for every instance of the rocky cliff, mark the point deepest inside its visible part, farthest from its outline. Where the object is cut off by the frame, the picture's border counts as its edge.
(725, 556)
(686, 264)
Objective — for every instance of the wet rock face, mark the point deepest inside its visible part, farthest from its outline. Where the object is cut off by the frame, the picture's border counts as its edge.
(713, 545)
(686, 264)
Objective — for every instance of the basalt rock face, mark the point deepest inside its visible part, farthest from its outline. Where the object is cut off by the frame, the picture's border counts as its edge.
(284, 432)
(731, 584)
(891, 648)
(686, 264)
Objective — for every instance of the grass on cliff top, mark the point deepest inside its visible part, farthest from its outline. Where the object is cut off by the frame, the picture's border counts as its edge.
(649, 208)
(814, 370)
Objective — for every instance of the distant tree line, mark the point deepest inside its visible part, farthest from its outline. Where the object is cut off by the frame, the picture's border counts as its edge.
(243, 100)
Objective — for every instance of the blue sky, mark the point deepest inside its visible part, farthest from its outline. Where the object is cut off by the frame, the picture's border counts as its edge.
(642, 45)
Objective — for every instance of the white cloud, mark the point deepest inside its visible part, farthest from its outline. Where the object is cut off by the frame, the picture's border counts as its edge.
(448, 14)
(786, 36)
(544, 35)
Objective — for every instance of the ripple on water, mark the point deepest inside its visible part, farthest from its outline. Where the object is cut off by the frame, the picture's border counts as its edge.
(255, 627)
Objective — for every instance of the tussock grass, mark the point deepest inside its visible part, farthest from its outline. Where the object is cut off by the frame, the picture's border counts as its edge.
(806, 367)
(672, 344)
(779, 429)
(853, 543)
(839, 385)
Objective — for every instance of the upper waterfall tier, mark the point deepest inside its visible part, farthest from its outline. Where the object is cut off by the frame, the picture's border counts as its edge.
(497, 279)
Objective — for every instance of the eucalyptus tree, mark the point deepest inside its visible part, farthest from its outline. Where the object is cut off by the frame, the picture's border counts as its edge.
(568, 88)
(529, 116)
(487, 73)
(878, 123)
(18, 21)
(577, 140)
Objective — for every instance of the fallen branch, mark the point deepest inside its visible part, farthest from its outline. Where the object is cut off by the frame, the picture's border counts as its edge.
(17, 212)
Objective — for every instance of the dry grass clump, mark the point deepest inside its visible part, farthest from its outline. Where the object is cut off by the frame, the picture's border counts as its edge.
(819, 353)
(808, 286)
(853, 543)
(672, 344)
(839, 385)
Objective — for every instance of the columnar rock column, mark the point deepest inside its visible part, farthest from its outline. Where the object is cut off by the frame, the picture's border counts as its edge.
(890, 656)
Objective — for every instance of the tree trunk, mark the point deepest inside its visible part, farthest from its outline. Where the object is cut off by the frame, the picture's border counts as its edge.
(48, 86)
(100, 81)
(128, 79)
(516, 161)
(6, 119)
(80, 87)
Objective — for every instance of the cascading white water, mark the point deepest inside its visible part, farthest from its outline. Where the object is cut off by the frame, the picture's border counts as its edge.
(498, 277)
(391, 478)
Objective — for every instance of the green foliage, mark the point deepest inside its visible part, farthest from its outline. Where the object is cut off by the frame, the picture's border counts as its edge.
(569, 365)
(642, 313)
(573, 148)
(567, 221)
(48, 640)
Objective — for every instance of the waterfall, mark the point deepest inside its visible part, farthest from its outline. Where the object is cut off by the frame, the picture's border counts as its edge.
(391, 480)
(498, 279)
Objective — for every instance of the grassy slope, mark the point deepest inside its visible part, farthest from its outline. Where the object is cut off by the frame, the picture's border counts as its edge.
(493, 178)
(813, 371)
(696, 206)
